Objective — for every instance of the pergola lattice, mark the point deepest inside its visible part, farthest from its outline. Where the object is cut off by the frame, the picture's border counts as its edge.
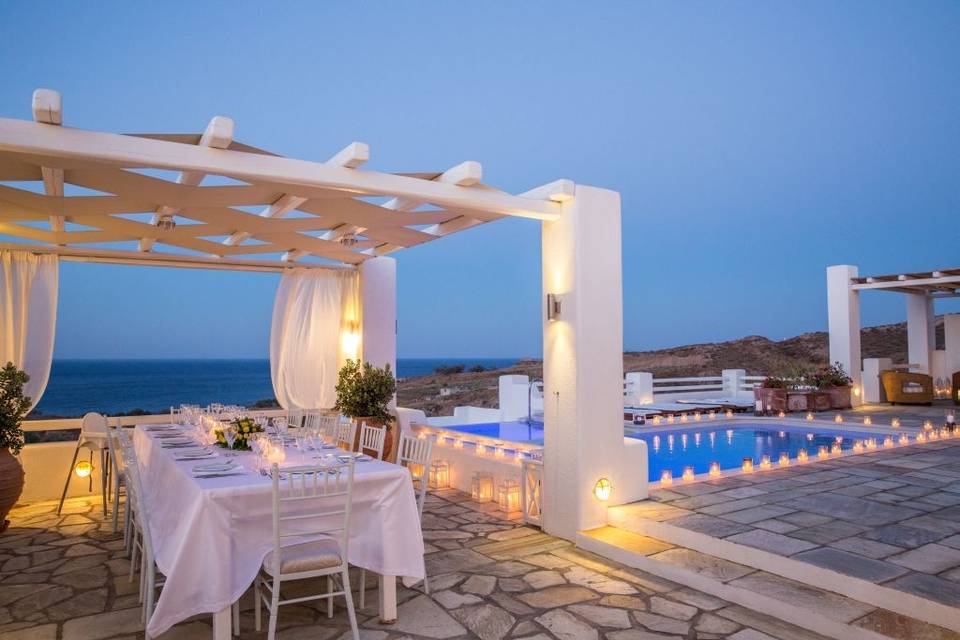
(210, 201)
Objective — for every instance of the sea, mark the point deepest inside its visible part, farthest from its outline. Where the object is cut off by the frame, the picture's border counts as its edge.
(124, 387)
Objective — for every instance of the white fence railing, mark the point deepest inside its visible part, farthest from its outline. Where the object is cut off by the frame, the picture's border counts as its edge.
(640, 388)
(65, 424)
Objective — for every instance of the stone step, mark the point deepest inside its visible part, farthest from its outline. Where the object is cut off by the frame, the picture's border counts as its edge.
(649, 518)
(820, 611)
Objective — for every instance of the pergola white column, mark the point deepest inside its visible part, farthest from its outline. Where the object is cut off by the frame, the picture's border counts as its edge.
(951, 342)
(378, 298)
(843, 321)
(921, 339)
(583, 367)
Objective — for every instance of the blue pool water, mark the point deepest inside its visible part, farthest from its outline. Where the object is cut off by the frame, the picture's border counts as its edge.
(509, 431)
(675, 450)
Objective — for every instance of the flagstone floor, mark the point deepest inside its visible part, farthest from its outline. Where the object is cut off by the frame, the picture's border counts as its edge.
(65, 578)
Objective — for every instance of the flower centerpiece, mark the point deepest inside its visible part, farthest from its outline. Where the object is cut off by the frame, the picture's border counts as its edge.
(244, 427)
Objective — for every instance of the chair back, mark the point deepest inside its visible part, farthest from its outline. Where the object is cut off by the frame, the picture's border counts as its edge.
(93, 428)
(312, 501)
(371, 440)
(415, 454)
(117, 459)
(135, 494)
(295, 418)
(345, 434)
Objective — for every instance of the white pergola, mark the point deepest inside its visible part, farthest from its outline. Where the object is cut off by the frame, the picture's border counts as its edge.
(921, 289)
(208, 201)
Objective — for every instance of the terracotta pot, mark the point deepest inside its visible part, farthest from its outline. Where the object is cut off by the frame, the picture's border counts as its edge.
(774, 399)
(11, 484)
(839, 397)
(390, 441)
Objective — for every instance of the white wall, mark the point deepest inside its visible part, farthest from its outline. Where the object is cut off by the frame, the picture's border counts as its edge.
(583, 367)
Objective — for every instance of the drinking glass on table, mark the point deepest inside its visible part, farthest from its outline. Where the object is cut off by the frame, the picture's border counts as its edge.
(230, 435)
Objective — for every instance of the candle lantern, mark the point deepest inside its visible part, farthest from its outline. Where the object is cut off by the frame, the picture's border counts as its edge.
(857, 447)
(921, 437)
(838, 419)
(871, 443)
(765, 462)
(904, 439)
(439, 474)
(888, 442)
(802, 456)
(747, 465)
(666, 478)
(729, 413)
(508, 496)
(714, 469)
(688, 474)
(481, 487)
(895, 423)
(809, 416)
(868, 421)
(823, 452)
(784, 459)
(835, 449)
(927, 425)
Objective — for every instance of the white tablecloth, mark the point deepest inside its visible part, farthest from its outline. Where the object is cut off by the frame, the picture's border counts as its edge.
(211, 535)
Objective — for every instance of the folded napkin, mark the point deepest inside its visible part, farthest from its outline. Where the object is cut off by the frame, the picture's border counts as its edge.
(196, 454)
(217, 466)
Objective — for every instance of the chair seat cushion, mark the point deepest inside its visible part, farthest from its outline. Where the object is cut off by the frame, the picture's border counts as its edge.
(308, 556)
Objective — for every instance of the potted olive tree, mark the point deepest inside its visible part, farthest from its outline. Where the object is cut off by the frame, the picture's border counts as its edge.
(14, 406)
(364, 393)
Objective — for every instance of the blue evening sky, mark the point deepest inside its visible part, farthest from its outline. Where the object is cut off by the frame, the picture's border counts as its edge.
(754, 143)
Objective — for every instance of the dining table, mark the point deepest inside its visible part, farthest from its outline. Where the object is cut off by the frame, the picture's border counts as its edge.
(211, 532)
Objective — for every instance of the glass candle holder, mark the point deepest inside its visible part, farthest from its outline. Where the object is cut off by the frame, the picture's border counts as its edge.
(835, 449)
(715, 469)
(666, 478)
(802, 456)
(784, 459)
(838, 419)
(747, 465)
(895, 423)
(809, 416)
(823, 452)
(688, 474)
(887, 442)
(867, 421)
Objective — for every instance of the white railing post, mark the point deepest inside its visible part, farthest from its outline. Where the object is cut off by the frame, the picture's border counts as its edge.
(639, 389)
(733, 380)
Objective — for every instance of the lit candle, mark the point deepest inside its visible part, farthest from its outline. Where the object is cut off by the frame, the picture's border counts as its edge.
(480, 449)
(871, 443)
(458, 443)
(802, 456)
(904, 439)
(688, 474)
(666, 478)
(784, 459)
(927, 425)
(747, 465)
(888, 442)
(945, 433)
(656, 420)
(809, 416)
(857, 447)
(835, 449)
(422, 435)
(933, 435)
(697, 416)
(921, 437)
(895, 423)
(715, 469)
(670, 419)
(781, 414)
(838, 418)
(823, 452)
(729, 413)
(712, 415)
(765, 462)
(683, 417)
(868, 421)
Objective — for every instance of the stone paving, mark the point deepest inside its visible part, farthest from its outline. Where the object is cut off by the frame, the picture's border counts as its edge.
(891, 517)
(65, 578)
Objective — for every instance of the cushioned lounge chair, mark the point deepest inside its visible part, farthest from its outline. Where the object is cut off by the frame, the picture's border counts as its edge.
(907, 388)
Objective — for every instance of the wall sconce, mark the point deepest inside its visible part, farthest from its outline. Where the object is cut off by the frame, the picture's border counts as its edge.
(553, 307)
(83, 469)
(602, 489)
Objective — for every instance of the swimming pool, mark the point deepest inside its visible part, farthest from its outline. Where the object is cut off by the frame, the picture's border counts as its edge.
(509, 431)
(676, 449)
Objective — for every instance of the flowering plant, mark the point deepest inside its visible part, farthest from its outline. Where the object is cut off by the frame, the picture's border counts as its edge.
(244, 427)
(829, 377)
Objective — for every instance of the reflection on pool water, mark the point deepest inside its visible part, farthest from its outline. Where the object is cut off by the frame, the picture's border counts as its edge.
(677, 449)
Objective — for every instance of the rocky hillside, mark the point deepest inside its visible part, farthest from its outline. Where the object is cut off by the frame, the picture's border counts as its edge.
(756, 354)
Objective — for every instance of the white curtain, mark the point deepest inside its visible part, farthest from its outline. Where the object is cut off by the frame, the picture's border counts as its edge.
(316, 327)
(28, 315)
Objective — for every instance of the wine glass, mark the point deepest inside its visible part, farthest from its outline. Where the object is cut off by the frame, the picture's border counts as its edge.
(230, 435)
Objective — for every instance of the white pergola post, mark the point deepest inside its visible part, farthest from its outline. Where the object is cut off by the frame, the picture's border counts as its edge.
(583, 367)
(951, 342)
(378, 299)
(920, 330)
(843, 321)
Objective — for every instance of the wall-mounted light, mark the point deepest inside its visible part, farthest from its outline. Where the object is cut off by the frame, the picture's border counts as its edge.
(83, 469)
(602, 489)
(553, 307)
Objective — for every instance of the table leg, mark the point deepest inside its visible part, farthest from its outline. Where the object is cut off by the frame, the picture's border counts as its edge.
(221, 624)
(388, 599)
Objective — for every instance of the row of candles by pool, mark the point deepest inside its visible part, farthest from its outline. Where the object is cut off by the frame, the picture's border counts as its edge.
(698, 416)
(495, 449)
(929, 434)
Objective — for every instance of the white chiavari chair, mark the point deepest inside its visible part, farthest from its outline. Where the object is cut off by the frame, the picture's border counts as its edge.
(313, 502)
(371, 440)
(117, 473)
(345, 434)
(414, 454)
(295, 418)
(149, 580)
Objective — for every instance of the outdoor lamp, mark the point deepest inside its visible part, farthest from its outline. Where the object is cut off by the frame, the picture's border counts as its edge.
(83, 469)
(553, 307)
(602, 489)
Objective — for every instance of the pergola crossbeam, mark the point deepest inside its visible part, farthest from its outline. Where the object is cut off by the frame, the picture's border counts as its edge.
(48, 109)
